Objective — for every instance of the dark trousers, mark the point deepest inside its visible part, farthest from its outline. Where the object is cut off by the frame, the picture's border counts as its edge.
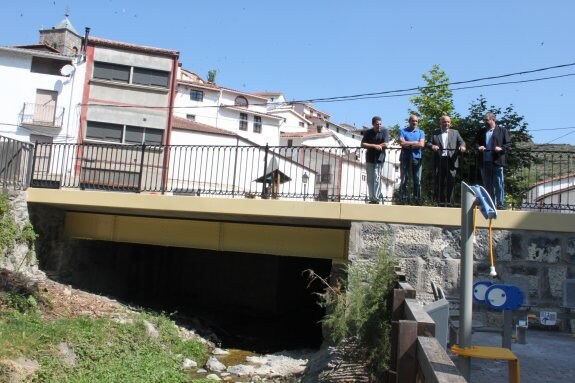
(445, 181)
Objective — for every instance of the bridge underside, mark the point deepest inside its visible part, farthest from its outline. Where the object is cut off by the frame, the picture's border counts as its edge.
(275, 227)
(296, 241)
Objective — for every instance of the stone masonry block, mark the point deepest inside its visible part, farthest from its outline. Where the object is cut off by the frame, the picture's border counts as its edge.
(556, 274)
(411, 234)
(373, 238)
(570, 252)
(407, 250)
(545, 250)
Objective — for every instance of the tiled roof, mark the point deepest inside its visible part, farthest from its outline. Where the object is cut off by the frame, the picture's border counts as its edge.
(305, 134)
(38, 47)
(182, 123)
(121, 45)
(250, 111)
(198, 84)
(244, 93)
(37, 53)
(266, 93)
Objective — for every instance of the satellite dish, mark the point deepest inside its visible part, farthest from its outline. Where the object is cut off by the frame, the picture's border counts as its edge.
(67, 70)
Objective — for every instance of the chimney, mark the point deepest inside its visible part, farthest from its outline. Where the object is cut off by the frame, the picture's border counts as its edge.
(85, 44)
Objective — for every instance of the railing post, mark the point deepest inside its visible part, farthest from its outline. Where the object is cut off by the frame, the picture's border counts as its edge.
(406, 351)
(30, 165)
(141, 168)
(163, 184)
(264, 183)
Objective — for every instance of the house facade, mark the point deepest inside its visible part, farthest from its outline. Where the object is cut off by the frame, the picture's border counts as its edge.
(38, 98)
(239, 112)
(558, 191)
(128, 97)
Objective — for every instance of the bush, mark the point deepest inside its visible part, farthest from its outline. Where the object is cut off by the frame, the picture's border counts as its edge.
(358, 313)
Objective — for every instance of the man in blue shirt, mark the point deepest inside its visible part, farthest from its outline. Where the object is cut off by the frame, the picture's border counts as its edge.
(375, 140)
(411, 140)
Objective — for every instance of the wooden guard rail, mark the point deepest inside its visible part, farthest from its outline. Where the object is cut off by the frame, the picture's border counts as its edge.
(416, 356)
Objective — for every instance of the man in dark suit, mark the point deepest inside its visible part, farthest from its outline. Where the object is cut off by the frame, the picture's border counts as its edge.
(493, 143)
(446, 145)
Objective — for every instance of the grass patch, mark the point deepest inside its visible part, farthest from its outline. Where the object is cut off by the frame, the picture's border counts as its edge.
(105, 350)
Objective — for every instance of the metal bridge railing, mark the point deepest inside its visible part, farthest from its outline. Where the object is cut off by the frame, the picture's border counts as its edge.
(537, 180)
(15, 162)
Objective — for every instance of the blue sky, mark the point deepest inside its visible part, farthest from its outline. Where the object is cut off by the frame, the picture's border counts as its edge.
(324, 48)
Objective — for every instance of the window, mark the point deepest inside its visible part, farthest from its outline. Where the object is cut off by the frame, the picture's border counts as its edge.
(151, 77)
(290, 143)
(137, 135)
(196, 95)
(191, 117)
(140, 76)
(322, 196)
(153, 136)
(325, 174)
(257, 124)
(319, 128)
(243, 121)
(112, 72)
(134, 135)
(46, 66)
(241, 101)
(104, 131)
(301, 124)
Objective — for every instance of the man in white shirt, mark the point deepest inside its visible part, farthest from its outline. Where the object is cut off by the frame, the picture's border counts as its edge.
(446, 144)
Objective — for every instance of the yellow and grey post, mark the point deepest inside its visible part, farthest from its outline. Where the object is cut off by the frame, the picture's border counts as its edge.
(466, 277)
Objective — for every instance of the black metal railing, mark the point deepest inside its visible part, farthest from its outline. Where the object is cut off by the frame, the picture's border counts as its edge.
(15, 162)
(540, 180)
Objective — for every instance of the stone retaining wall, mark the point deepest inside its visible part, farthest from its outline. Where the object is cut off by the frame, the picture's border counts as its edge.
(428, 253)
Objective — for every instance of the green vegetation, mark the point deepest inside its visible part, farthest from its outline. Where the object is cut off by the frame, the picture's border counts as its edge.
(8, 228)
(436, 99)
(358, 316)
(104, 350)
(10, 233)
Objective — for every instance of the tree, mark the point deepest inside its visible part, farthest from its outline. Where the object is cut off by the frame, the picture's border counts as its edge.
(520, 157)
(212, 76)
(434, 100)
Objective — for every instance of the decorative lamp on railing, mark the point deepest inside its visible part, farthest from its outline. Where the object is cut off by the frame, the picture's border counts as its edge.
(304, 181)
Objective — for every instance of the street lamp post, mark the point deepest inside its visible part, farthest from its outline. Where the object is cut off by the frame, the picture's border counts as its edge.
(304, 180)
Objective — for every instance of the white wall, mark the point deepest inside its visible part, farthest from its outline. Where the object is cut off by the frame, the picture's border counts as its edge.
(210, 162)
(291, 121)
(205, 111)
(19, 86)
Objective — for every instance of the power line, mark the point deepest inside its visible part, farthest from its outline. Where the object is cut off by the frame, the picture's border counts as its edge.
(566, 134)
(383, 94)
(460, 88)
(451, 83)
(540, 130)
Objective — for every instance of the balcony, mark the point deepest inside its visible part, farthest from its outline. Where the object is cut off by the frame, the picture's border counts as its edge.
(40, 115)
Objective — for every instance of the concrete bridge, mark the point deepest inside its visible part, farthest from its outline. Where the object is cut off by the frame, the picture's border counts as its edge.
(275, 227)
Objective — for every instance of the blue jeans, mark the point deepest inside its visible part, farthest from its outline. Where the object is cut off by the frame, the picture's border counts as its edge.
(410, 168)
(492, 175)
(374, 171)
